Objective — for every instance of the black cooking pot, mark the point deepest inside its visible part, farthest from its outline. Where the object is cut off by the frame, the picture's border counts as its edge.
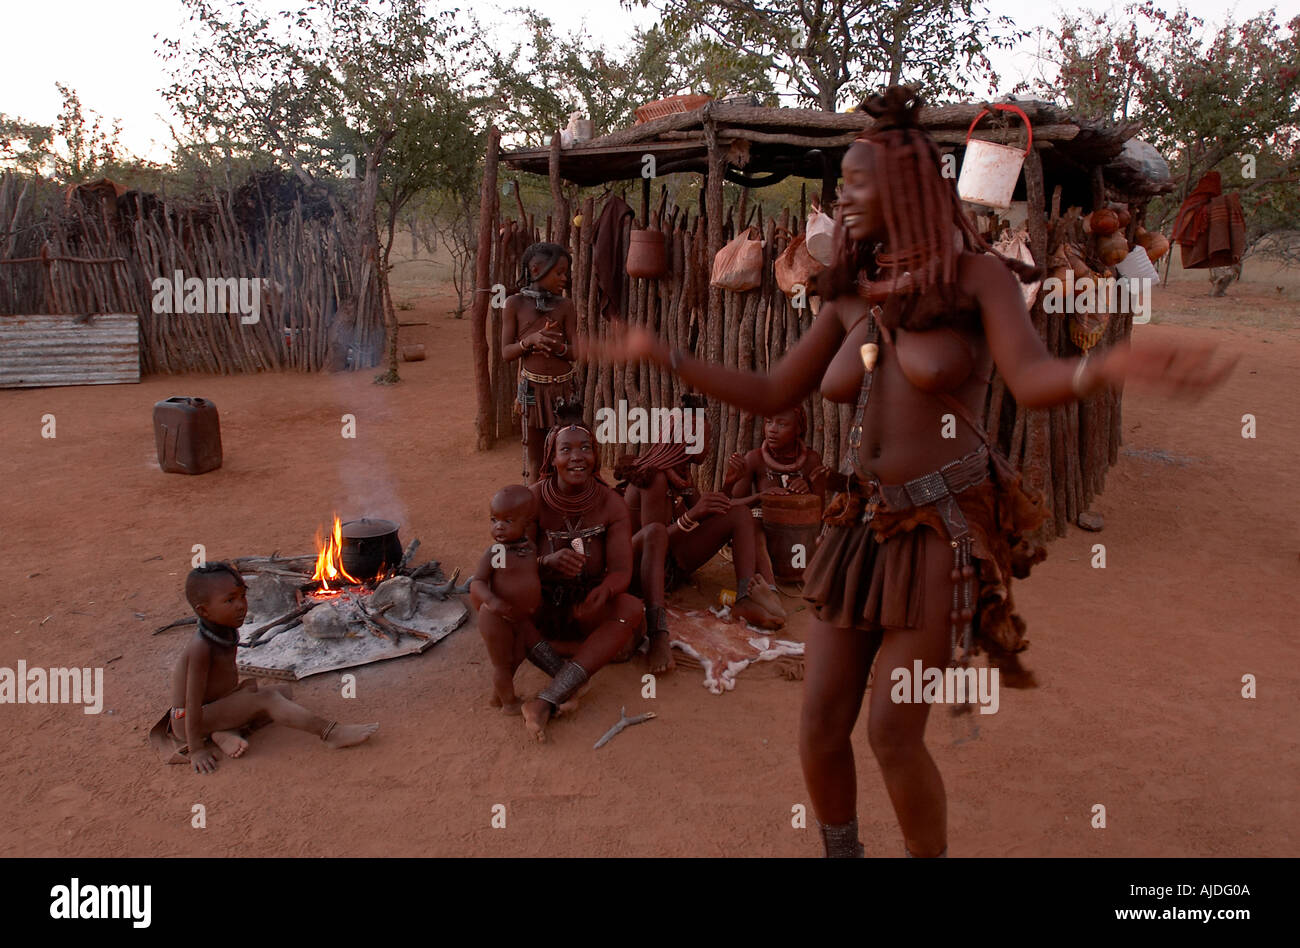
(370, 547)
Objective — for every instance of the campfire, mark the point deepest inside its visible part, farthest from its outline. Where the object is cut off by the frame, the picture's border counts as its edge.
(358, 581)
(356, 600)
(329, 565)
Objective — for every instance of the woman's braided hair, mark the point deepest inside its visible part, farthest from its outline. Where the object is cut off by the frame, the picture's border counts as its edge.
(922, 213)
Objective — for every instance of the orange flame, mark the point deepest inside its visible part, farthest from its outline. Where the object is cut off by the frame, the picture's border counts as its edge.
(329, 560)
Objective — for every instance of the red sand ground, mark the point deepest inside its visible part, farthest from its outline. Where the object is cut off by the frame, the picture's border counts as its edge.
(1140, 664)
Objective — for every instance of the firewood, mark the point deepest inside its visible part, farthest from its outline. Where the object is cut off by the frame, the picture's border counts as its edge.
(305, 608)
(406, 557)
(188, 620)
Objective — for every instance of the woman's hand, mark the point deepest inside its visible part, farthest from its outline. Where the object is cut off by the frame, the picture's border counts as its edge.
(593, 604)
(547, 339)
(623, 343)
(735, 468)
(798, 486)
(1177, 369)
(566, 562)
(711, 504)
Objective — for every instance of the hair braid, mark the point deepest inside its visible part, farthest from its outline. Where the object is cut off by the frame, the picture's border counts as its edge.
(920, 207)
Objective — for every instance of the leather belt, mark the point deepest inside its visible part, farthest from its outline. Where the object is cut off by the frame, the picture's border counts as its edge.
(937, 488)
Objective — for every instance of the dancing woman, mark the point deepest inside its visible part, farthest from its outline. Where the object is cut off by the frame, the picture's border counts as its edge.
(538, 325)
(917, 553)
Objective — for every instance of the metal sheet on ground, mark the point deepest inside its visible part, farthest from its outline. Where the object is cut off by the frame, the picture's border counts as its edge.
(294, 655)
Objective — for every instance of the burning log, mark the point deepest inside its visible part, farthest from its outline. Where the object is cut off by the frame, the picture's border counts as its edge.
(274, 563)
(262, 629)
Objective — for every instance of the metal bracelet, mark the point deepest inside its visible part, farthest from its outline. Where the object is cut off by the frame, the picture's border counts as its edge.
(1077, 378)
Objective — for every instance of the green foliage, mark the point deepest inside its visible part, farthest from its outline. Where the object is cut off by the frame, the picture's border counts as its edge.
(538, 83)
(25, 146)
(76, 149)
(1223, 99)
(835, 52)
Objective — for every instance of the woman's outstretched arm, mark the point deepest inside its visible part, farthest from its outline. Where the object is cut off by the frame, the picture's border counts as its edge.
(1037, 379)
(791, 380)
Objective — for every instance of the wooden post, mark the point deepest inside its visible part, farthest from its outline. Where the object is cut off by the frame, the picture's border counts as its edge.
(560, 204)
(483, 421)
(1036, 198)
(713, 316)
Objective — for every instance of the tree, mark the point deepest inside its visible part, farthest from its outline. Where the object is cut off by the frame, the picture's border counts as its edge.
(74, 150)
(1093, 65)
(25, 146)
(835, 51)
(306, 84)
(536, 84)
(1218, 101)
(1225, 100)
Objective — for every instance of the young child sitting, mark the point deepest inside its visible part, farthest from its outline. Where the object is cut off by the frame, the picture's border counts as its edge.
(207, 698)
(507, 590)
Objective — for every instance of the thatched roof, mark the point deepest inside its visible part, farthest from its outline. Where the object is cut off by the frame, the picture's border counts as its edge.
(768, 144)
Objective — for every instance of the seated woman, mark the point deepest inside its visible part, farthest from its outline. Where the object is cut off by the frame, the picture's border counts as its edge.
(678, 530)
(782, 464)
(585, 562)
(538, 325)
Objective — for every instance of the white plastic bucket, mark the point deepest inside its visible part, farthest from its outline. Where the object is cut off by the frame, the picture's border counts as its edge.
(1138, 264)
(820, 237)
(989, 171)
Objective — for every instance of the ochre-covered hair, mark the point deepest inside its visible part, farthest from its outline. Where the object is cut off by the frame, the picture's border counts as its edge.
(668, 453)
(568, 415)
(923, 214)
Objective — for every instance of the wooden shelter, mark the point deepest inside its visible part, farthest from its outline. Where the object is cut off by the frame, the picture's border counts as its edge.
(1074, 163)
(97, 249)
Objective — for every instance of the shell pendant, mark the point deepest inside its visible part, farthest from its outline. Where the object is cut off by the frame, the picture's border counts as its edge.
(869, 352)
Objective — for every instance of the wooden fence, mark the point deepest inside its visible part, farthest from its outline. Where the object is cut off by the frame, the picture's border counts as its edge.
(93, 252)
(1064, 451)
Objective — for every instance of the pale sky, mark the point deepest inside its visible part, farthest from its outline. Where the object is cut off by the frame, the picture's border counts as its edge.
(108, 54)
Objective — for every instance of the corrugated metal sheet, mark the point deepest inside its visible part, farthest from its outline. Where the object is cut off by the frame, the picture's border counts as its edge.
(38, 351)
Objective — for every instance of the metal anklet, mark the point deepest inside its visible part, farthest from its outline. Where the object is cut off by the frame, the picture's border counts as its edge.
(841, 841)
(546, 658)
(566, 682)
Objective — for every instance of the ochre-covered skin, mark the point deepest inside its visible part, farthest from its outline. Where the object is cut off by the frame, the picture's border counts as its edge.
(544, 341)
(901, 229)
(507, 590)
(604, 621)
